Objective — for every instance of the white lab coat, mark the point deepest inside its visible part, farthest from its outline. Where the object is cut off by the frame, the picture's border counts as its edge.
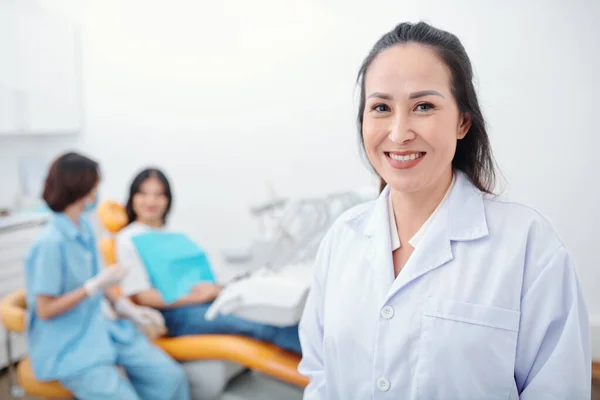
(487, 307)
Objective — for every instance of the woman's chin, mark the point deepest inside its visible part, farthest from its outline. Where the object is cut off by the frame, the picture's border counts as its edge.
(149, 219)
(406, 184)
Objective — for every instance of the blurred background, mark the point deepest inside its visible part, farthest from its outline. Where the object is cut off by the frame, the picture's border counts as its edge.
(241, 101)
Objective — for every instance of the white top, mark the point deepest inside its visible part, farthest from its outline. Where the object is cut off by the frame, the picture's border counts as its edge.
(488, 306)
(416, 239)
(137, 279)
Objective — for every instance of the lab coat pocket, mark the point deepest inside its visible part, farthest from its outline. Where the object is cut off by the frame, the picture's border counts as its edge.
(466, 351)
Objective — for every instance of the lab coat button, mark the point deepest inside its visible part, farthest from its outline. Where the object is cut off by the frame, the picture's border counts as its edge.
(383, 384)
(387, 312)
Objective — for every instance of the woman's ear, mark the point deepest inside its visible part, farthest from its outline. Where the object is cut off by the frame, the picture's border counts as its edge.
(464, 124)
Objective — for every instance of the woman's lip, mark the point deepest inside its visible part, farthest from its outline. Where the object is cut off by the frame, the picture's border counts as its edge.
(404, 153)
(396, 164)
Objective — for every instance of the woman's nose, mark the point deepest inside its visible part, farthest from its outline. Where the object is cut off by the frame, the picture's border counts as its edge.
(400, 131)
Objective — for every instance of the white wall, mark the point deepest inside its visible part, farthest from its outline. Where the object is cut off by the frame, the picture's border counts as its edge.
(13, 148)
(227, 95)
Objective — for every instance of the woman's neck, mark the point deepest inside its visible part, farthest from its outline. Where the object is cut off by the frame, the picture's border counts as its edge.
(151, 223)
(411, 210)
(73, 212)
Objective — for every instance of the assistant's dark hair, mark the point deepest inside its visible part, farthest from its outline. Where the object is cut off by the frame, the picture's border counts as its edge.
(135, 188)
(473, 153)
(70, 178)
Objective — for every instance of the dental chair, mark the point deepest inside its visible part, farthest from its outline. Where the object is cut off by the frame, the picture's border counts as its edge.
(275, 291)
(210, 361)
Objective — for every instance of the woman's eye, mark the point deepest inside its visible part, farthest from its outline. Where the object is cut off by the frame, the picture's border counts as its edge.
(380, 108)
(424, 107)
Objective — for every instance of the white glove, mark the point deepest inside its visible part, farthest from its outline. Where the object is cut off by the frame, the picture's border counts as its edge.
(147, 319)
(108, 310)
(104, 279)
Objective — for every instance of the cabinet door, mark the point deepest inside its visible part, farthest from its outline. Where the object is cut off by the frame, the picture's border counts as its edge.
(18, 348)
(39, 74)
(11, 279)
(13, 247)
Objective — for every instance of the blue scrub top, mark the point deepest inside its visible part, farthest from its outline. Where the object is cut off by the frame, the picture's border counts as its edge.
(62, 258)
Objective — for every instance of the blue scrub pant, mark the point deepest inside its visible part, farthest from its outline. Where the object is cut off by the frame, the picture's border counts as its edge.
(152, 374)
(189, 320)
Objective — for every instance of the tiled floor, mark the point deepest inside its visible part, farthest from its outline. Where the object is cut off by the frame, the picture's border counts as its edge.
(5, 388)
(246, 387)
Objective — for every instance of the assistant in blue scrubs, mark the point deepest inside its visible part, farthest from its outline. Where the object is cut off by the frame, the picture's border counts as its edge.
(75, 343)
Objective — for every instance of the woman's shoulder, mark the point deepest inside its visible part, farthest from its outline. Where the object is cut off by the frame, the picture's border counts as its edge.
(53, 231)
(498, 206)
(131, 230)
(352, 220)
(50, 235)
(50, 240)
(355, 214)
(518, 218)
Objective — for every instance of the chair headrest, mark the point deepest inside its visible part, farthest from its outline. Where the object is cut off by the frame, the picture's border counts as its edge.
(112, 216)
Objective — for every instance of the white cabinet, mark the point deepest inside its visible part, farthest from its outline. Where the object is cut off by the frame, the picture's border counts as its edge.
(40, 90)
(16, 235)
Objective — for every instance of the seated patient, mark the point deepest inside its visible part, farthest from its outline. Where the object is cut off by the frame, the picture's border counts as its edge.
(149, 203)
(69, 337)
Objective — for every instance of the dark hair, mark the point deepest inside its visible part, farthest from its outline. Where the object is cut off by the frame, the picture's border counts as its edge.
(473, 153)
(70, 178)
(135, 188)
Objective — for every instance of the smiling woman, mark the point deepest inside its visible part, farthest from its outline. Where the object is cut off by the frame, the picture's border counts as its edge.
(437, 82)
(455, 293)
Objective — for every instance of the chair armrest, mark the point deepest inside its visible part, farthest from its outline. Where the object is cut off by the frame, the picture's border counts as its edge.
(13, 311)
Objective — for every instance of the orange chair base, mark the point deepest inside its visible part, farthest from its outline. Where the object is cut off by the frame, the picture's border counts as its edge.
(259, 356)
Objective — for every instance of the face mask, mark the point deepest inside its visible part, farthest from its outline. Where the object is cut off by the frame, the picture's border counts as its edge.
(91, 206)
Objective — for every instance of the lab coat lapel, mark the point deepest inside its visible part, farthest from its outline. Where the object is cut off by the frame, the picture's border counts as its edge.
(460, 218)
(378, 254)
(434, 251)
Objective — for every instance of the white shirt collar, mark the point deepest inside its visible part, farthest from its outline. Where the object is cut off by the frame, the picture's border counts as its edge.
(416, 239)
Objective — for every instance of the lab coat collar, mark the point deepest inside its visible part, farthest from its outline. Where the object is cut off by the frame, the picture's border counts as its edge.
(461, 217)
(416, 239)
(464, 211)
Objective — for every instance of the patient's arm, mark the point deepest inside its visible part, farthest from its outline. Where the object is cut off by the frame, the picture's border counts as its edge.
(138, 286)
(202, 293)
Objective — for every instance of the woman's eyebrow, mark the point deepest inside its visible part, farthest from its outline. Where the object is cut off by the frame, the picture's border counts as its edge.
(383, 96)
(414, 95)
(424, 93)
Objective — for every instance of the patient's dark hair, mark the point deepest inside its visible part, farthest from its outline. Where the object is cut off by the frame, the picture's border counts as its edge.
(135, 188)
(473, 153)
(70, 178)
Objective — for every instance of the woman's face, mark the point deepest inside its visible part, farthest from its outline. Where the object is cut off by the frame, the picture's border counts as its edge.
(411, 121)
(150, 203)
(91, 199)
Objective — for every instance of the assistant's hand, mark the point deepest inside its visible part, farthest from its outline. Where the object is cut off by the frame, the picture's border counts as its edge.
(106, 278)
(146, 319)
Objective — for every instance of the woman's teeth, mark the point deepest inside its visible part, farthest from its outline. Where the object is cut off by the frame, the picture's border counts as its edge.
(407, 157)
